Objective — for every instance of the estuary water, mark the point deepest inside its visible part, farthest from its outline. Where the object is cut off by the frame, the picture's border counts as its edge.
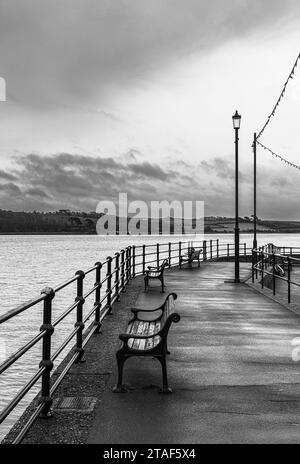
(30, 262)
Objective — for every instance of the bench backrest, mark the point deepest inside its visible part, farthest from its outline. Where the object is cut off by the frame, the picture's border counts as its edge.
(169, 316)
(163, 264)
(195, 253)
(168, 306)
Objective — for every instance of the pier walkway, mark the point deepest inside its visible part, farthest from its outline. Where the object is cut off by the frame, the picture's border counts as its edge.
(230, 368)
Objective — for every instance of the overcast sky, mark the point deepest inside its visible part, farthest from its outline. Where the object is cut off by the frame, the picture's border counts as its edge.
(137, 96)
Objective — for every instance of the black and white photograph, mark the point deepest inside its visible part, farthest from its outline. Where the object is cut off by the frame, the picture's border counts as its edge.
(149, 226)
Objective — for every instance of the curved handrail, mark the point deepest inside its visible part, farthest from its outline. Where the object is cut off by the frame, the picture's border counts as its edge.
(265, 263)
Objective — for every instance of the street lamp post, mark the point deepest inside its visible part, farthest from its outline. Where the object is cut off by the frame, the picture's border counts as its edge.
(254, 192)
(236, 125)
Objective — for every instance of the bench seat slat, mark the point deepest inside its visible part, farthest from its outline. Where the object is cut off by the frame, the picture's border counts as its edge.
(152, 342)
(157, 339)
(149, 341)
(145, 332)
(143, 328)
(139, 331)
(132, 328)
(153, 273)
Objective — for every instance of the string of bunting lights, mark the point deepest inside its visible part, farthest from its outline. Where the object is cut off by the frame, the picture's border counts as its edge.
(291, 75)
(278, 156)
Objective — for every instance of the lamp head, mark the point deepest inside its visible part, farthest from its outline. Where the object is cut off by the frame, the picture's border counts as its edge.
(236, 118)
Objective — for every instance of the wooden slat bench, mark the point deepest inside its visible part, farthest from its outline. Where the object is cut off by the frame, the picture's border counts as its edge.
(156, 273)
(146, 335)
(192, 255)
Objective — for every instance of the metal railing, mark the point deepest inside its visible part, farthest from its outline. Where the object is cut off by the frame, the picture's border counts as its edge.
(271, 264)
(111, 278)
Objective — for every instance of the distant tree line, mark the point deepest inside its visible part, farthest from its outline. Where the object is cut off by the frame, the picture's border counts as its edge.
(44, 222)
(76, 222)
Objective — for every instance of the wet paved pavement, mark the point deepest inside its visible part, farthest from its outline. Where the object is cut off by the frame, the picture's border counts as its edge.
(230, 368)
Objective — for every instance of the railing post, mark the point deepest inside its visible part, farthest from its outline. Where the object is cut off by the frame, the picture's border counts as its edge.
(245, 249)
(157, 254)
(117, 276)
(133, 261)
(108, 284)
(211, 253)
(170, 254)
(127, 266)
(262, 267)
(179, 252)
(204, 251)
(123, 270)
(218, 248)
(144, 259)
(228, 253)
(97, 303)
(256, 261)
(46, 362)
(253, 264)
(79, 322)
(274, 275)
(129, 262)
(289, 279)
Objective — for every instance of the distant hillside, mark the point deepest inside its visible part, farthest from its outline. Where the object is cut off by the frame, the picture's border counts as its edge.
(63, 221)
(70, 222)
(283, 226)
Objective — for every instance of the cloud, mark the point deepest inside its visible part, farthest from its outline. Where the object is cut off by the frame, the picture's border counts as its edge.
(66, 52)
(281, 182)
(221, 167)
(148, 170)
(10, 189)
(6, 176)
(36, 192)
(79, 182)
